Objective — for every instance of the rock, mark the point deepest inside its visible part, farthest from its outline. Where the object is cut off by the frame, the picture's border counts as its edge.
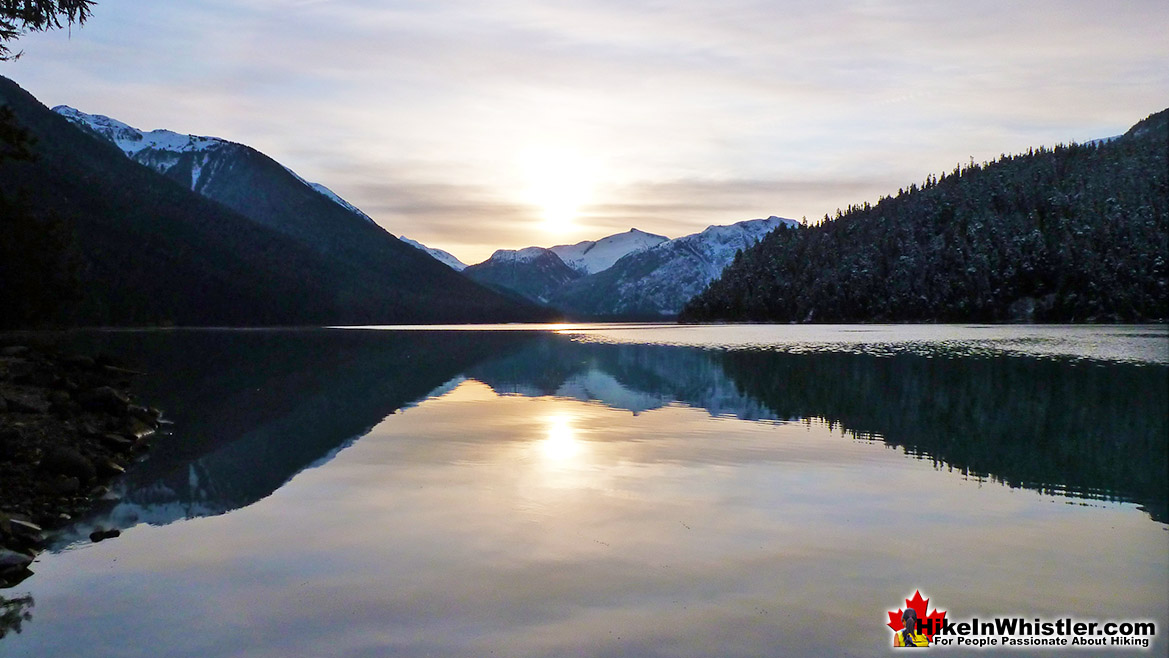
(69, 462)
(137, 430)
(14, 350)
(11, 560)
(65, 486)
(27, 403)
(21, 528)
(100, 534)
(79, 362)
(108, 468)
(104, 398)
(117, 441)
(148, 416)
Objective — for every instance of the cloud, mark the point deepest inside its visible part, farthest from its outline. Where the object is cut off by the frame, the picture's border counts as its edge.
(694, 113)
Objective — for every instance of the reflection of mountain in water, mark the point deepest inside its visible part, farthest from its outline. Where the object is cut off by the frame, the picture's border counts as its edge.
(254, 408)
(1057, 426)
(636, 378)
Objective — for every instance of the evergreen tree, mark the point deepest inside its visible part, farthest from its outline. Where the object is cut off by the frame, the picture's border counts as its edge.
(1068, 234)
(20, 16)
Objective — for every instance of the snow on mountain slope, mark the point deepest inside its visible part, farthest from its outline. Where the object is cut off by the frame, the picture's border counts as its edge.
(131, 140)
(163, 150)
(715, 246)
(659, 280)
(444, 257)
(533, 272)
(525, 255)
(592, 256)
(331, 195)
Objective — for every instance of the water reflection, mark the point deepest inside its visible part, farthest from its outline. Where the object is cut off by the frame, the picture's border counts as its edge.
(253, 409)
(561, 444)
(14, 612)
(543, 496)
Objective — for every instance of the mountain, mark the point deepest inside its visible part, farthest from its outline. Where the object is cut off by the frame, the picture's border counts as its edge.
(534, 273)
(92, 237)
(444, 257)
(592, 256)
(1070, 234)
(190, 159)
(335, 198)
(658, 281)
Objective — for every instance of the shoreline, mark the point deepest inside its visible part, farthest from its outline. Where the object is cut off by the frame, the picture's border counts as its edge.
(68, 428)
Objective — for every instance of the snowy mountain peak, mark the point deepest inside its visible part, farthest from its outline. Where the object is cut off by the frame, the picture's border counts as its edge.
(524, 255)
(659, 280)
(444, 257)
(132, 141)
(163, 150)
(750, 229)
(592, 256)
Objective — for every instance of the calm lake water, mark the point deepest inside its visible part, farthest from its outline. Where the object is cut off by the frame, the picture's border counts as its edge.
(619, 490)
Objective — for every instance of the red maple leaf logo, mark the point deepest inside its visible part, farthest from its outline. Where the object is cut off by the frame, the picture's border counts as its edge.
(929, 623)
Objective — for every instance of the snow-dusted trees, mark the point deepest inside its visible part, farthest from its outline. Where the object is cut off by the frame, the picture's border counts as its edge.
(1072, 233)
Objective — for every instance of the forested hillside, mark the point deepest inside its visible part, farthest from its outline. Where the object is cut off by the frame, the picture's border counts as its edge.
(89, 237)
(1066, 234)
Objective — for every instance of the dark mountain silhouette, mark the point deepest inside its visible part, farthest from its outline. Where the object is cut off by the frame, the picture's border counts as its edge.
(533, 273)
(128, 246)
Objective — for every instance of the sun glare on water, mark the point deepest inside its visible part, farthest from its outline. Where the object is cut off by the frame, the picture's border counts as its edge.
(561, 443)
(559, 184)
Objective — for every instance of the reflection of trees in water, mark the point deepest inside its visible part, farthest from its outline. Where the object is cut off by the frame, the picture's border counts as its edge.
(1091, 429)
(254, 408)
(14, 612)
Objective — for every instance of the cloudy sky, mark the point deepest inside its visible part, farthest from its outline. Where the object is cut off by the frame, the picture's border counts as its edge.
(472, 125)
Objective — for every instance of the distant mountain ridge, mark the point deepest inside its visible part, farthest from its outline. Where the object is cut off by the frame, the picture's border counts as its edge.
(534, 273)
(630, 274)
(658, 281)
(256, 246)
(592, 256)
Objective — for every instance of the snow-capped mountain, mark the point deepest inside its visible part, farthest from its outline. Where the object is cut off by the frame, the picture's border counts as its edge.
(592, 256)
(659, 280)
(193, 160)
(534, 273)
(233, 236)
(444, 257)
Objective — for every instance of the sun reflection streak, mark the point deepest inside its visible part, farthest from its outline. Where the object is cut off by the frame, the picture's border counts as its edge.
(561, 444)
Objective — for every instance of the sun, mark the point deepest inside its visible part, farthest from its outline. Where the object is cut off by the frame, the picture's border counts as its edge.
(559, 184)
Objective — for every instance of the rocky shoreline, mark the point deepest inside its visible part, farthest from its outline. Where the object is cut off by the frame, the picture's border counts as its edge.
(68, 427)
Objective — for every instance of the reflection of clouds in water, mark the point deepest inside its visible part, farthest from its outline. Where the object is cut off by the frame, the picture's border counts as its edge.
(477, 523)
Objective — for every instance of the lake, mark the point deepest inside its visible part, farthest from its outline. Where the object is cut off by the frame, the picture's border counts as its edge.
(616, 490)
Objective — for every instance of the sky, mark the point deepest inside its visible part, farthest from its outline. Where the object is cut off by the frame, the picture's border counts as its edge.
(472, 125)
